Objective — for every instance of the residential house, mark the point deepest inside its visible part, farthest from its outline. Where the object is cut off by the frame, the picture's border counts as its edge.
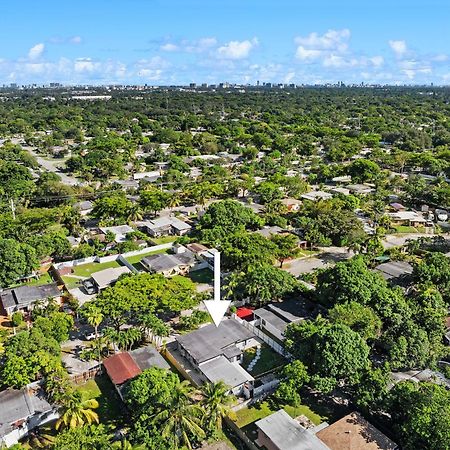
(407, 218)
(84, 207)
(120, 232)
(354, 432)
(396, 272)
(104, 278)
(280, 431)
(123, 367)
(169, 265)
(216, 353)
(269, 231)
(315, 196)
(164, 226)
(274, 318)
(23, 298)
(337, 190)
(22, 411)
(360, 189)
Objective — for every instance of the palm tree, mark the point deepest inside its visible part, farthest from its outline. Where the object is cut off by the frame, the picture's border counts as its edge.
(217, 404)
(94, 318)
(180, 419)
(40, 438)
(77, 412)
(174, 201)
(134, 213)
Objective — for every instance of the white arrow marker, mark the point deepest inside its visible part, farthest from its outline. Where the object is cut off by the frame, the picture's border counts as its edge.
(217, 308)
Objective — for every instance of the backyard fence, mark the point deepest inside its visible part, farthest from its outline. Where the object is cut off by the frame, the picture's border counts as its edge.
(109, 258)
(266, 339)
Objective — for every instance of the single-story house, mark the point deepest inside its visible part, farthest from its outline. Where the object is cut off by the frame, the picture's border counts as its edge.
(354, 432)
(169, 265)
(268, 231)
(315, 196)
(395, 271)
(24, 297)
(84, 207)
(123, 367)
(275, 317)
(361, 189)
(164, 226)
(119, 232)
(22, 411)
(409, 218)
(215, 352)
(153, 175)
(104, 278)
(340, 190)
(280, 431)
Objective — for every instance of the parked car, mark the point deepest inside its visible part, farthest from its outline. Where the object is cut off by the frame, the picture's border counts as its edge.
(89, 286)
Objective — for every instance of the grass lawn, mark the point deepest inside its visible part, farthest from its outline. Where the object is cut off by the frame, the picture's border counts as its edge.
(247, 416)
(164, 239)
(110, 408)
(202, 276)
(405, 229)
(269, 360)
(86, 270)
(45, 278)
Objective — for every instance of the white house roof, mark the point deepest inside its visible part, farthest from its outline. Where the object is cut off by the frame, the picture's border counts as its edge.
(220, 369)
(104, 278)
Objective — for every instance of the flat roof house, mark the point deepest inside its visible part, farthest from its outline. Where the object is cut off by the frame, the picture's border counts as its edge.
(356, 433)
(280, 431)
(216, 352)
(164, 226)
(104, 278)
(396, 272)
(21, 411)
(169, 265)
(276, 317)
(23, 298)
(315, 196)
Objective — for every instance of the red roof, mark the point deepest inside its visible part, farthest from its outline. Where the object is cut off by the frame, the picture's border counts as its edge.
(121, 367)
(245, 313)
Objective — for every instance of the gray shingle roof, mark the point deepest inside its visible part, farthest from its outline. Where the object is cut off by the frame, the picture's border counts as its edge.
(26, 295)
(147, 357)
(163, 262)
(19, 405)
(211, 341)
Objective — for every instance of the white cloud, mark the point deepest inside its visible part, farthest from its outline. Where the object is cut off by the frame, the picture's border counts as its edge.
(398, 47)
(75, 40)
(36, 51)
(377, 61)
(315, 46)
(237, 49)
(169, 47)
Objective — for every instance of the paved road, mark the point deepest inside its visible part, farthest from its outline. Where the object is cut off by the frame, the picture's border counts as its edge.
(328, 256)
(396, 240)
(51, 165)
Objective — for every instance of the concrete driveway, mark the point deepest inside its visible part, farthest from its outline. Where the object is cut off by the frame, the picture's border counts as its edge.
(328, 257)
(397, 240)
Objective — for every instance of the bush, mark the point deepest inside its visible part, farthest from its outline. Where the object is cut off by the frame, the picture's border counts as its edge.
(17, 319)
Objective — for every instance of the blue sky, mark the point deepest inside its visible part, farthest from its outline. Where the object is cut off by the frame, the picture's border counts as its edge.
(176, 42)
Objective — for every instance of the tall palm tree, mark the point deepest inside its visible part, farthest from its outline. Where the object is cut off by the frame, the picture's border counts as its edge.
(135, 213)
(77, 412)
(180, 419)
(94, 318)
(217, 404)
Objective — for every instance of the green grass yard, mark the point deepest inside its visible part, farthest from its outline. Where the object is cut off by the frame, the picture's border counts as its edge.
(137, 258)
(203, 276)
(111, 408)
(86, 270)
(164, 239)
(45, 278)
(247, 416)
(269, 360)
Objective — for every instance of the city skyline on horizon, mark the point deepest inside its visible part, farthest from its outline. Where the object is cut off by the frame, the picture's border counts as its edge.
(176, 43)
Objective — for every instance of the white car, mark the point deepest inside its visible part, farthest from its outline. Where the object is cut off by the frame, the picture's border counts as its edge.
(90, 335)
